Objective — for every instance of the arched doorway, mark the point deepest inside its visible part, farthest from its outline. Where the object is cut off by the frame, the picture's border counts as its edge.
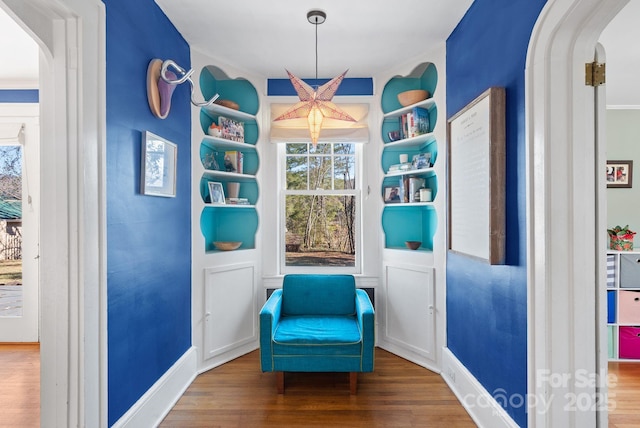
(565, 206)
(70, 34)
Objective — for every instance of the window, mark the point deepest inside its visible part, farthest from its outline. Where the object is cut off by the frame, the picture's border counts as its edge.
(321, 206)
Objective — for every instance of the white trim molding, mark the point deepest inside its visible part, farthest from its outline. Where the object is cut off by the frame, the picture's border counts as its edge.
(562, 214)
(158, 401)
(477, 401)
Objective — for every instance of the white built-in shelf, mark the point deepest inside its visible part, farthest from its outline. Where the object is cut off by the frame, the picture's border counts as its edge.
(408, 204)
(209, 205)
(418, 142)
(217, 143)
(228, 176)
(410, 172)
(218, 110)
(427, 104)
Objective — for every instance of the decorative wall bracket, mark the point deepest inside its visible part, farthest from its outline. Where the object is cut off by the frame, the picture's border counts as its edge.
(162, 81)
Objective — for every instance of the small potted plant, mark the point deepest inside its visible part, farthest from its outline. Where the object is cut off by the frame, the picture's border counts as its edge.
(621, 238)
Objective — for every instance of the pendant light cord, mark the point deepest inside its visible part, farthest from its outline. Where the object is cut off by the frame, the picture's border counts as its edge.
(316, 24)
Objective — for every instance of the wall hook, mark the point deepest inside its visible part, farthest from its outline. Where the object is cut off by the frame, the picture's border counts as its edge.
(162, 79)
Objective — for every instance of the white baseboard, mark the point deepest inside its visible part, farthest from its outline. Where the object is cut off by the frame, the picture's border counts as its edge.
(481, 406)
(154, 405)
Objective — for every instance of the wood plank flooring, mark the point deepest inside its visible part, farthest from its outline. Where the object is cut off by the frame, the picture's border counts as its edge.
(397, 394)
(19, 385)
(237, 394)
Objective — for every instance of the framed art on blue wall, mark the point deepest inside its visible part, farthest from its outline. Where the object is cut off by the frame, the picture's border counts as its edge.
(159, 164)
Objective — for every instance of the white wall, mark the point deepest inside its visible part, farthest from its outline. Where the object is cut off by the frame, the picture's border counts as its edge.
(623, 143)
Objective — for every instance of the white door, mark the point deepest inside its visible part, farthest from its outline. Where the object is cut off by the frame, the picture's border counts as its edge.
(19, 306)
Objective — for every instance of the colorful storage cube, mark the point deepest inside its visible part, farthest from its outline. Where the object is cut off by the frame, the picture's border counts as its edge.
(612, 341)
(629, 270)
(611, 307)
(629, 342)
(611, 270)
(629, 307)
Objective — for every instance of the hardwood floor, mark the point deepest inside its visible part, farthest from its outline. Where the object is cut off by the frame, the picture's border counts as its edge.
(624, 395)
(397, 394)
(19, 385)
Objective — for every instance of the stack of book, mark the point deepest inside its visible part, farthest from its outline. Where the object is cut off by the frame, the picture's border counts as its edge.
(401, 167)
(414, 123)
(237, 201)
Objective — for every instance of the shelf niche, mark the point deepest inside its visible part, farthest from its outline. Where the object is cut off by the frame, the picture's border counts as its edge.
(228, 222)
(409, 221)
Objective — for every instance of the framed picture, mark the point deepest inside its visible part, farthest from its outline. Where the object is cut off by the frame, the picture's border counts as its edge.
(477, 162)
(159, 164)
(392, 195)
(619, 173)
(216, 192)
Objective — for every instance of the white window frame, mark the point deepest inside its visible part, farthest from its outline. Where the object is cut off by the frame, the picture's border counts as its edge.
(283, 192)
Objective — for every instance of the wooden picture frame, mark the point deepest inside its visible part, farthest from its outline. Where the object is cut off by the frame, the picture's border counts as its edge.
(619, 173)
(159, 166)
(392, 195)
(476, 140)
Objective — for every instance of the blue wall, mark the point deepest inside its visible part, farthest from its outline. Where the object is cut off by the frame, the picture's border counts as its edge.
(487, 305)
(148, 238)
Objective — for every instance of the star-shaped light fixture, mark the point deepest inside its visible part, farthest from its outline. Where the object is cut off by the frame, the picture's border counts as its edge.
(316, 104)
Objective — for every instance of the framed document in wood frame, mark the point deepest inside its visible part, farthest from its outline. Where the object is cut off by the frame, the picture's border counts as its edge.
(476, 178)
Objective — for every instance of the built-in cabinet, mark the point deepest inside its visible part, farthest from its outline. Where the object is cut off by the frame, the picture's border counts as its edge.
(623, 305)
(229, 222)
(409, 220)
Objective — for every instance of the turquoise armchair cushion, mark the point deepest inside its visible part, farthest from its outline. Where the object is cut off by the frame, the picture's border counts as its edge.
(317, 323)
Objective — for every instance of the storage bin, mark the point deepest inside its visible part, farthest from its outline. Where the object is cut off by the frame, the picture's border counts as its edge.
(611, 270)
(629, 270)
(629, 307)
(611, 307)
(629, 342)
(612, 341)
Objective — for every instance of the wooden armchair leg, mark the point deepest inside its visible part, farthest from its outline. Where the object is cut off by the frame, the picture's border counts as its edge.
(280, 382)
(353, 382)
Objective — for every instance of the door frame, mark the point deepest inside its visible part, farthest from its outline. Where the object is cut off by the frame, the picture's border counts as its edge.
(73, 351)
(563, 214)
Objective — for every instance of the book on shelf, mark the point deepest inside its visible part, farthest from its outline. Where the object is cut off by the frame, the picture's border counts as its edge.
(234, 161)
(401, 167)
(237, 201)
(414, 123)
(231, 129)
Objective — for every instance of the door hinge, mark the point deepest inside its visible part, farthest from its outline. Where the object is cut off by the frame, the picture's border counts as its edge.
(594, 74)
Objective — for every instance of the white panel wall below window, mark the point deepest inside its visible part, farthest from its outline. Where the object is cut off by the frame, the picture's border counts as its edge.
(409, 309)
(230, 308)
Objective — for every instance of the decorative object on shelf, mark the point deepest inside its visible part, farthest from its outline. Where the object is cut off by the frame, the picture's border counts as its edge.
(231, 129)
(210, 162)
(619, 173)
(228, 104)
(214, 130)
(425, 195)
(404, 158)
(159, 164)
(234, 162)
(233, 190)
(316, 104)
(421, 161)
(216, 192)
(413, 245)
(476, 194)
(161, 82)
(621, 238)
(408, 98)
(394, 135)
(227, 245)
(392, 195)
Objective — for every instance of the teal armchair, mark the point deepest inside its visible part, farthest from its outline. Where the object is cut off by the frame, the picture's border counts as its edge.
(317, 323)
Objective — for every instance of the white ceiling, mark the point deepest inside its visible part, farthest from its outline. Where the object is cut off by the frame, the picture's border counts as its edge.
(364, 36)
